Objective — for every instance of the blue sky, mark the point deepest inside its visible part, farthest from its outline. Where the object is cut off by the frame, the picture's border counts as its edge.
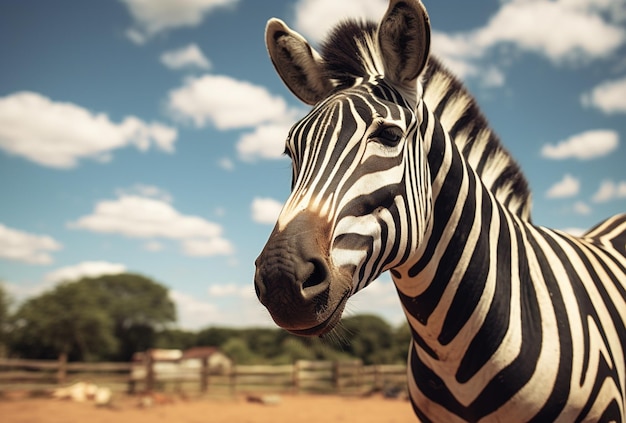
(147, 136)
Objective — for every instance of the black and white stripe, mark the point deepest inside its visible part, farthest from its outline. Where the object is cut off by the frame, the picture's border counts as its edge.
(510, 321)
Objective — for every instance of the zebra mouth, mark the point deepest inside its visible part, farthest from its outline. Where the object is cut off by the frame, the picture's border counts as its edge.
(328, 324)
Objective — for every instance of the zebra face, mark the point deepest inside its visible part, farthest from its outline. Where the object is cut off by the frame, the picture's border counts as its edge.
(355, 157)
(336, 231)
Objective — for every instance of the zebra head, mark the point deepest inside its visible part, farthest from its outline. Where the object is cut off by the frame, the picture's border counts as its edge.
(359, 202)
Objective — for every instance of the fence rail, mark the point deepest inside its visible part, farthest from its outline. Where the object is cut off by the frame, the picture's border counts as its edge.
(348, 377)
(50, 374)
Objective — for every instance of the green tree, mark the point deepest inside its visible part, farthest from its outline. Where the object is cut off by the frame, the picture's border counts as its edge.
(176, 339)
(65, 322)
(369, 338)
(238, 349)
(294, 349)
(265, 342)
(401, 340)
(216, 336)
(109, 317)
(5, 305)
(138, 306)
(328, 351)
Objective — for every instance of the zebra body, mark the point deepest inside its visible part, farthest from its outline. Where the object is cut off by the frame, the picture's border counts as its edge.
(396, 169)
(513, 322)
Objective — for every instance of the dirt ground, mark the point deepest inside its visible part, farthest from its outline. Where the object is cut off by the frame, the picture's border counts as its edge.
(289, 409)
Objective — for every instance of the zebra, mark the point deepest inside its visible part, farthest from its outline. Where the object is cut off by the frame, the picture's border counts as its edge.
(395, 168)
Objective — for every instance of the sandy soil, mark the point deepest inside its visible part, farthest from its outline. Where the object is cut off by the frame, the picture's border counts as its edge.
(290, 409)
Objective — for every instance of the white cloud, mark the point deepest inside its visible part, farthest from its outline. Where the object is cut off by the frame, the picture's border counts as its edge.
(142, 217)
(266, 210)
(380, 298)
(241, 311)
(225, 102)
(20, 291)
(315, 18)
(566, 187)
(155, 16)
(92, 269)
(226, 164)
(458, 52)
(581, 207)
(584, 146)
(558, 30)
(231, 290)
(614, 9)
(574, 231)
(143, 190)
(153, 246)
(89, 269)
(148, 218)
(492, 77)
(265, 142)
(136, 36)
(610, 190)
(207, 247)
(457, 45)
(25, 247)
(608, 97)
(193, 313)
(58, 134)
(185, 57)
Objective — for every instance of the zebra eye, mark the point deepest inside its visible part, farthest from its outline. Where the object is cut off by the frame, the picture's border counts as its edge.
(388, 135)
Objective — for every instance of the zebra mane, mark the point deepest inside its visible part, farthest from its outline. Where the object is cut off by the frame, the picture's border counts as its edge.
(351, 54)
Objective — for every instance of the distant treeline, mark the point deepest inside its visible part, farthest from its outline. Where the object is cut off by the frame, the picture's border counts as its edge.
(111, 317)
(366, 337)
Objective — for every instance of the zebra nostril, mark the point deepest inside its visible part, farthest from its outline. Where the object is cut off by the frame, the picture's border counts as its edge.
(317, 281)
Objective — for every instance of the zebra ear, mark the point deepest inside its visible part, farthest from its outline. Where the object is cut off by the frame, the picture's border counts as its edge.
(404, 39)
(297, 63)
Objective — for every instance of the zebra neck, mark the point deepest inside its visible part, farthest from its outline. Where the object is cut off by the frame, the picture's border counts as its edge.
(461, 117)
(442, 288)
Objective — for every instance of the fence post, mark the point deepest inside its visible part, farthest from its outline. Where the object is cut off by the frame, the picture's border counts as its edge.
(204, 375)
(233, 379)
(336, 375)
(378, 384)
(62, 370)
(296, 377)
(149, 372)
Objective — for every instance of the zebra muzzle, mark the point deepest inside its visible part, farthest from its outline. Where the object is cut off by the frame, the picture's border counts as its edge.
(295, 281)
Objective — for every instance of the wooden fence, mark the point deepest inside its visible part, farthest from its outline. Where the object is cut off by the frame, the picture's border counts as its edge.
(50, 374)
(345, 377)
